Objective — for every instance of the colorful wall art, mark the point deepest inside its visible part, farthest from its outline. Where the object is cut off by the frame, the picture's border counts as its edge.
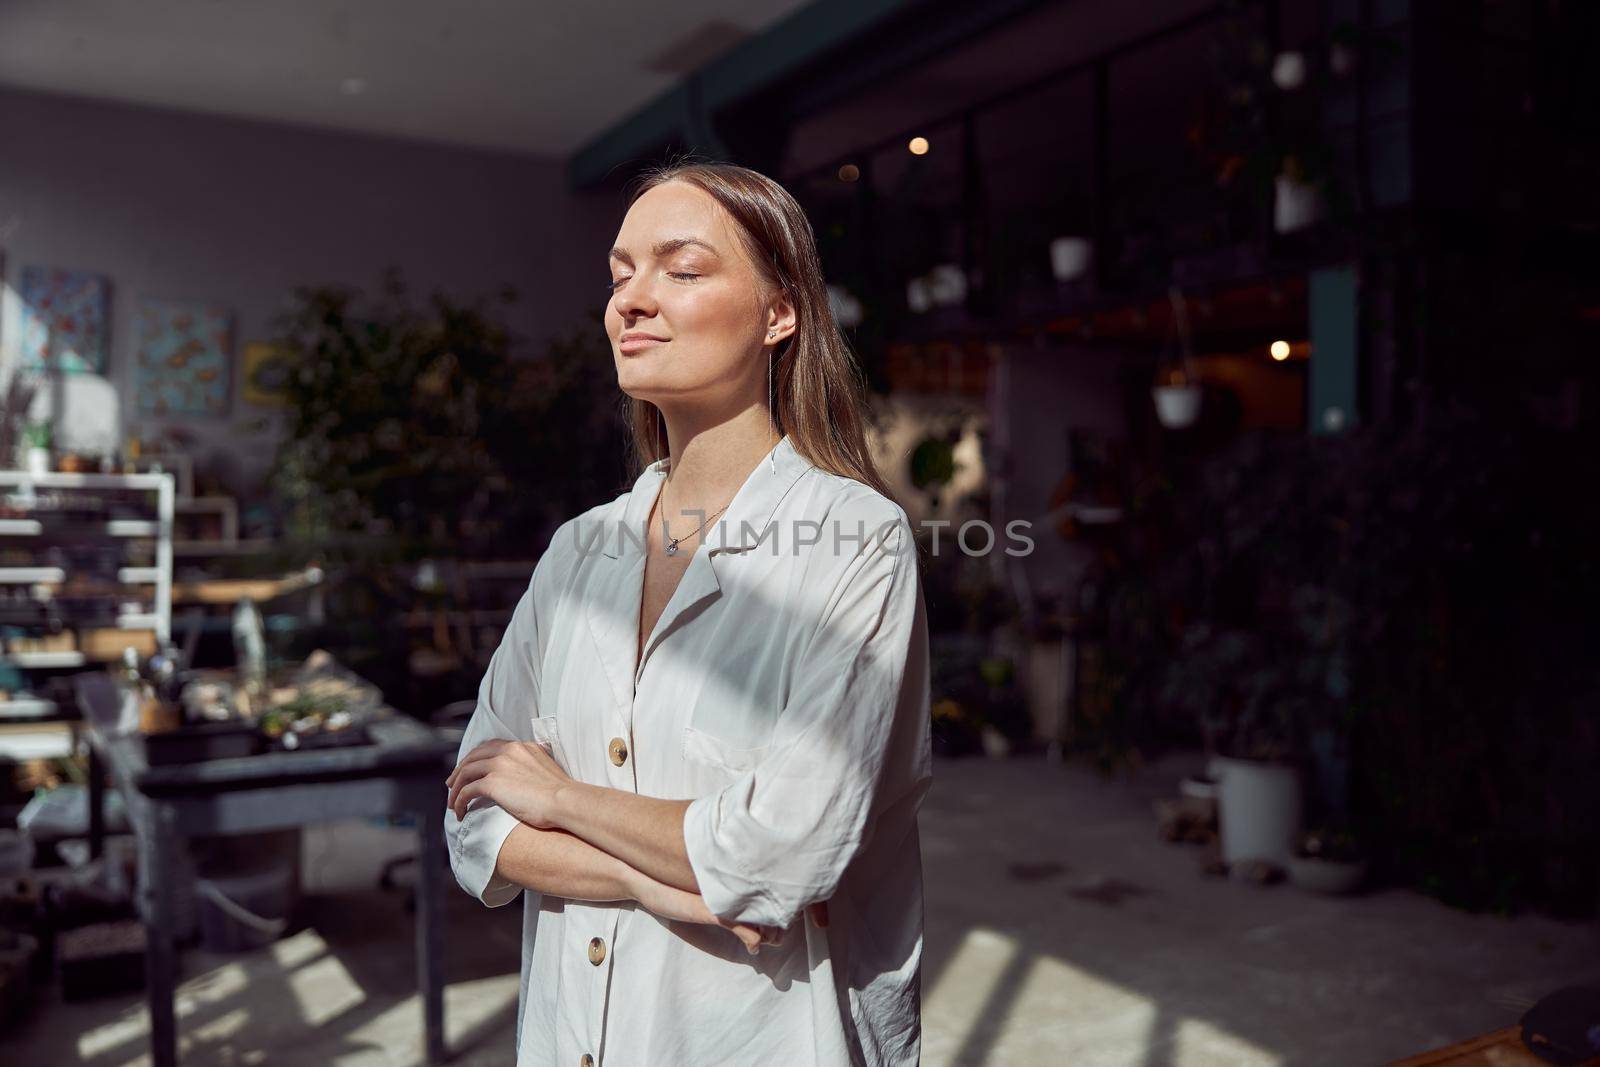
(182, 363)
(66, 320)
(266, 374)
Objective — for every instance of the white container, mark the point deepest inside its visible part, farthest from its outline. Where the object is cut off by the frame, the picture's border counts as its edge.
(1177, 406)
(919, 296)
(1070, 258)
(1295, 205)
(947, 285)
(38, 460)
(1258, 811)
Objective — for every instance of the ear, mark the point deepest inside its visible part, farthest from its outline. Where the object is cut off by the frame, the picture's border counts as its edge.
(781, 319)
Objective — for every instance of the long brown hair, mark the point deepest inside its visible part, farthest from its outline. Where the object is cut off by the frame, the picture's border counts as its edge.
(819, 391)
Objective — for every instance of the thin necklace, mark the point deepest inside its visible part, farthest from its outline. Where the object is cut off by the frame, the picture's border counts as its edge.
(673, 542)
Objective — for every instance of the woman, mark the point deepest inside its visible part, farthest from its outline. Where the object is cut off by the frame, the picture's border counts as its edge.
(699, 751)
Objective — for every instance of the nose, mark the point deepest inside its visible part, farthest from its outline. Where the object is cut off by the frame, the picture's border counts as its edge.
(634, 299)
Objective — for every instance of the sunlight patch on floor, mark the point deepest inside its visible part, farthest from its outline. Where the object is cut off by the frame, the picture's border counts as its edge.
(996, 1003)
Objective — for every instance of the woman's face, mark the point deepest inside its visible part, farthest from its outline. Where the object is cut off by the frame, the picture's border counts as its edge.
(682, 281)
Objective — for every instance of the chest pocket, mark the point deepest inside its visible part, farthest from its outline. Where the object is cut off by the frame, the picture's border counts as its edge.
(544, 733)
(712, 763)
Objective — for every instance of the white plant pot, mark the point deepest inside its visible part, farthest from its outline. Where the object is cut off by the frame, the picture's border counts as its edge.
(947, 285)
(38, 460)
(1295, 205)
(1327, 876)
(1070, 258)
(919, 296)
(1258, 811)
(1177, 406)
(847, 310)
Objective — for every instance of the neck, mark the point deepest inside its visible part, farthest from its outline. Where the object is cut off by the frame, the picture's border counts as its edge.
(710, 460)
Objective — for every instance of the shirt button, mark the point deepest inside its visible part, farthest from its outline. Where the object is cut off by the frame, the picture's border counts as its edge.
(619, 751)
(597, 951)
(586, 1060)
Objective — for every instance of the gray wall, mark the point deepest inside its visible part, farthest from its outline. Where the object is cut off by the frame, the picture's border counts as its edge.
(1043, 394)
(177, 206)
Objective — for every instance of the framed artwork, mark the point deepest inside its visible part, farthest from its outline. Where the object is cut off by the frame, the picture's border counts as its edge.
(66, 320)
(181, 366)
(265, 374)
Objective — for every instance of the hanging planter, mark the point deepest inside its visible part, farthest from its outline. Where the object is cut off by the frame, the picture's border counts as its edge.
(919, 297)
(1177, 393)
(847, 310)
(1070, 258)
(1296, 202)
(947, 285)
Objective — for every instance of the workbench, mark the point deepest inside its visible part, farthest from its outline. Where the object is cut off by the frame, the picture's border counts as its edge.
(402, 771)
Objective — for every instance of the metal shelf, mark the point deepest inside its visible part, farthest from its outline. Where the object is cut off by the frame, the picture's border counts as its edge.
(44, 659)
(31, 575)
(76, 510)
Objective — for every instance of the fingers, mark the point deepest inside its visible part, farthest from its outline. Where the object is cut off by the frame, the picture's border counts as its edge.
(466, 794)
(749, 935)
(487, 750)
(465, 775)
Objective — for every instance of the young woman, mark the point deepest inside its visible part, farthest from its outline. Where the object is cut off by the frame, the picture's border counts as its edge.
(699, 750)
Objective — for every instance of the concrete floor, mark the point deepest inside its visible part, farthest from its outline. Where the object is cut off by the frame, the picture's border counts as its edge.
(1059, 931)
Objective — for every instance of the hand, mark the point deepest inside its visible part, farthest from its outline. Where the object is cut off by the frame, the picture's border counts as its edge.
(520, 776)
(669, 902)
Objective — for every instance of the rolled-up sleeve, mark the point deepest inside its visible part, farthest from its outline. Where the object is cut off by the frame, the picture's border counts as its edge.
(508, 699)
(850, 742)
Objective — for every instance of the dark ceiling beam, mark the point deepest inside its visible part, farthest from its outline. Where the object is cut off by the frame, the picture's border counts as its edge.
(686, 113)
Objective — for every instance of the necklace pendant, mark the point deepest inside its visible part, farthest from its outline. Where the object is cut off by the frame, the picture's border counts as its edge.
(672, 547)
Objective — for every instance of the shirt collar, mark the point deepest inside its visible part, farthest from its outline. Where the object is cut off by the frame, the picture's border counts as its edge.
(748, 515)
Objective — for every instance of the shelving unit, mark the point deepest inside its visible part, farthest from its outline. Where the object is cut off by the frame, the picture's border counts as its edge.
(84, 559)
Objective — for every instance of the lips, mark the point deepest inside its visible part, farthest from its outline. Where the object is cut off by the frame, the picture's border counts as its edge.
(638, 342)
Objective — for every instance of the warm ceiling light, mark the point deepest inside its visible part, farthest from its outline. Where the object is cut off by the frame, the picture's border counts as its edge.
(918, 146)
(849, 172)
(353, 86)
(1279, 350)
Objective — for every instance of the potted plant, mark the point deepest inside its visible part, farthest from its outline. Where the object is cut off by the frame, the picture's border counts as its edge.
(1229, 680)
(1329, 859)
(1177, 391)
(36, 438)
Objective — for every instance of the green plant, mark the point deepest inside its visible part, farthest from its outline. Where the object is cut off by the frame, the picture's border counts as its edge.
(418, 424)
(37, 434)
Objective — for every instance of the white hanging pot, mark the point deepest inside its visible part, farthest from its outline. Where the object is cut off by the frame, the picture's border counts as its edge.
(846, 308)
(1295, 204)
(1258, 810)
(1177, 406)
(1289, 71)
(1070, 258)
(919, 297)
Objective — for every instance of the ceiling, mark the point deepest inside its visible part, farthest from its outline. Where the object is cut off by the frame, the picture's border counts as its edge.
(535, 78)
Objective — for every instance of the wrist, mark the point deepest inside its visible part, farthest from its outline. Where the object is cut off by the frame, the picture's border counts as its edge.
(565, 805)
(634, 884)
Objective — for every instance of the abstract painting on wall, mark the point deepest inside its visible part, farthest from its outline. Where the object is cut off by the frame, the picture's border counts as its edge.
(66, 318)
(265, 378)
(181, 367)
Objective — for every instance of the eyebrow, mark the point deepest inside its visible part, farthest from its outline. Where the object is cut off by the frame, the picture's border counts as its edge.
(665, 248)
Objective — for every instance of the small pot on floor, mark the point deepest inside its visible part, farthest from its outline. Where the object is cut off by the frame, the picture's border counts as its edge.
(1332, 877)
(1328, 861)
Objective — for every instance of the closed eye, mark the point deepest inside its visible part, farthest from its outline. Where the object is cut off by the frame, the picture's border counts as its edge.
(612, 285)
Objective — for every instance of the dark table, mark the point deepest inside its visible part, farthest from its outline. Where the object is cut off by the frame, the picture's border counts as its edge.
(401, 771)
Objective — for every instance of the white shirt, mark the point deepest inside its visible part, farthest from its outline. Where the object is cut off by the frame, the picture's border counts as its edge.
(784, 690)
